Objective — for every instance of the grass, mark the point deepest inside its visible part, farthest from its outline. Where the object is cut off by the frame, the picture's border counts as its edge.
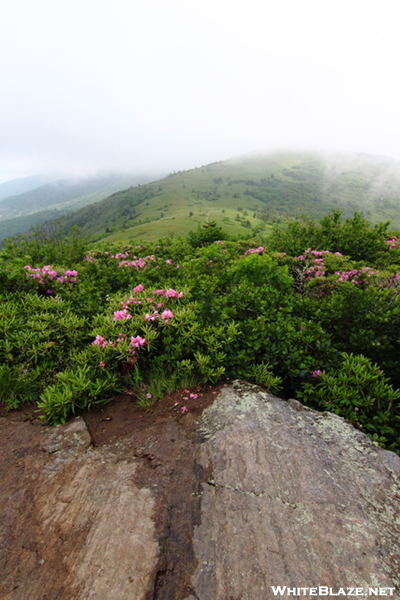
(262, 191)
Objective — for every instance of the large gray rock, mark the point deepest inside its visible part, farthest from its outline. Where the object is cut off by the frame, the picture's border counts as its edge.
(254, 493)
(297, 499)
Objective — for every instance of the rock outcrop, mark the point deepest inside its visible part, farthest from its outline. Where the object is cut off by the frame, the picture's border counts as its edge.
(254, 493)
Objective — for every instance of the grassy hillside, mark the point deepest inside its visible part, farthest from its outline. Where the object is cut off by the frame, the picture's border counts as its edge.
(255, 193)
(48, 202)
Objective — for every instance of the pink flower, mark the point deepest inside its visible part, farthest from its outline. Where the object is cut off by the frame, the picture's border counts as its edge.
(148, 395)
(184, 409)
(167, 314)
(316, 373)
(137, 341)
(171, 293)
(98, 340)
(119, 315)
(194, 396)
(168, 261)
(138, 288)
(180, 294)
(101, 364)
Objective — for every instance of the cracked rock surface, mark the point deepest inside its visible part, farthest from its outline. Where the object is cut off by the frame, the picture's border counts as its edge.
(255, 492)
(297, 498)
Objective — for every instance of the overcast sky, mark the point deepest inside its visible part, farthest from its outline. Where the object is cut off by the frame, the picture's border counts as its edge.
(168, 85)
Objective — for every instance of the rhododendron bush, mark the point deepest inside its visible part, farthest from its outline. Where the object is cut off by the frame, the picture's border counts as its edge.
(312, 312)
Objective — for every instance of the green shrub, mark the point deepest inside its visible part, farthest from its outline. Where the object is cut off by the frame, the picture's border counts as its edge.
(358, 391)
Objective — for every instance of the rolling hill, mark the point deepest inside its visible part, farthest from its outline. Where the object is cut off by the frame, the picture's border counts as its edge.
(23, 184)
(52, 200)
(252, 192)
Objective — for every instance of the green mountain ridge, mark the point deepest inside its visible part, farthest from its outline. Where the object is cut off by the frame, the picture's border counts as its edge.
(257, 192)
(48, 202)
(20, 185)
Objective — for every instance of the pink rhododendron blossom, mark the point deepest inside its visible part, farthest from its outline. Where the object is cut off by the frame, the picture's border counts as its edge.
(184, 409)
(98, 340)
(148, 395)
(316, 373)
(120, 315)
(171, 293)
(258, 250)
(101, 364)
(167, 314)
(137, 341)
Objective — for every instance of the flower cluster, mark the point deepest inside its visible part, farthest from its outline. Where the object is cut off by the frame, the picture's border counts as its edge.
(258, 250)
(166, 315)
(354, 275)
(136, 342)
(136, 298)
(392, 243)
(46, 274)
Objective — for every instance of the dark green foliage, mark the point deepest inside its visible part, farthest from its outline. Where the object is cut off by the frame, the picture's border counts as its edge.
(207, 234)
(359, 391)
(355, 237)
(322, 327)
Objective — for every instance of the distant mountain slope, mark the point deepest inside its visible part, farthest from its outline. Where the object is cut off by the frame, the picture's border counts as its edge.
(257, 192)
(19, 213)
(23, 184)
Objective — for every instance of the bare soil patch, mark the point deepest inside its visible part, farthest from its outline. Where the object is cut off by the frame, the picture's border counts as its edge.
(123, 415)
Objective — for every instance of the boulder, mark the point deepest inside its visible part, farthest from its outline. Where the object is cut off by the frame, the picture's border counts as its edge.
(254, 494)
